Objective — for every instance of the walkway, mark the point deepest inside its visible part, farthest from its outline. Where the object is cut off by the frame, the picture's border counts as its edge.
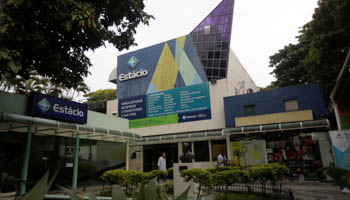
(316, 191)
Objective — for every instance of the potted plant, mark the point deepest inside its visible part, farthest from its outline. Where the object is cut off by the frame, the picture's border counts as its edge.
(8, 187)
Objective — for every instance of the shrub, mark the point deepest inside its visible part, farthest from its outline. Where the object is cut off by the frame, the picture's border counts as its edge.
(340, 176)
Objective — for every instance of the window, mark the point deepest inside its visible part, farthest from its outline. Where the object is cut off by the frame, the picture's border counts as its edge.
(291, 105)
(249, 110)
(201, 150)
(216, 147)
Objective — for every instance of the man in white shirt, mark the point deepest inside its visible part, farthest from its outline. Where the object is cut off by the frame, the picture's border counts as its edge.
(162, 164)
(222, 159)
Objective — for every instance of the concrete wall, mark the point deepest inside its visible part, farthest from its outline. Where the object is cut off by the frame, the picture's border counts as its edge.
(218, 90)
(309, 97)
(13, 103)
(107, 121)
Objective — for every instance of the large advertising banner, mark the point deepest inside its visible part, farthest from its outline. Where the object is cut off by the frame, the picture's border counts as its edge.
(178, 105)
(341, 147)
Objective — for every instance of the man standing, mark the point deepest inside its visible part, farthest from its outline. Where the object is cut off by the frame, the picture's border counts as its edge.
(222, 159)
(162, 164)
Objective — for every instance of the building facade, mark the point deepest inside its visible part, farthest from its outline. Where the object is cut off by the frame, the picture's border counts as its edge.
(194, 89)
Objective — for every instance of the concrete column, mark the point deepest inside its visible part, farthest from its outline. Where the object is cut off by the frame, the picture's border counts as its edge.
(76, 161)
(22, 190)
(229, 147)
(210, 153)
(127, 156)
(179, 150)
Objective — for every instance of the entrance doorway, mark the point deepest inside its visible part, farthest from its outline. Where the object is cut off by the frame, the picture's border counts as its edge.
(151, 154)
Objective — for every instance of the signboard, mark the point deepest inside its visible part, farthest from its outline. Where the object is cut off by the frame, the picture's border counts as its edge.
(237, 153)
(341, 147)
(178, 105)
(55, 108)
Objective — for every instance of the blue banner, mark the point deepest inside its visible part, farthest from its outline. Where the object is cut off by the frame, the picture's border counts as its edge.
(55, 108)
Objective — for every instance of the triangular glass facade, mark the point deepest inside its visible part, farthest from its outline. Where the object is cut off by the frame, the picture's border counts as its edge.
(212, 40)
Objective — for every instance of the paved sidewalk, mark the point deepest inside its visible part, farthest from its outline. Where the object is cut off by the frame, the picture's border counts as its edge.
(316, 191)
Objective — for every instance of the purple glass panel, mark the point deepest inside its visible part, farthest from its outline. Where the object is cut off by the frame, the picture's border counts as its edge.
(211, 45)
(212, 37)
(220, 28)
(226, 36)
(224, 55)
(222, 73)
(228, 9)
(222, 9)
(217, 55)
(216, 63)
(218, 46)
(211, 54)
(213, 29)
(215, 72)
(223, 64)
(207, 21)
(214, 20)
(221, 19)
(227, 18)
(210, 63)
(205, 46)
(218, 37)
(224, 45)
(216, 11)
(209, 72)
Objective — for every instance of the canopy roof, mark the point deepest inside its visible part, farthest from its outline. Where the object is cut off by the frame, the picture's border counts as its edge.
(20, 123)
(219, 134)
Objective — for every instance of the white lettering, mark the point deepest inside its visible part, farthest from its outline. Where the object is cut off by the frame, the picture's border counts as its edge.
(133, 75)
(67, 110)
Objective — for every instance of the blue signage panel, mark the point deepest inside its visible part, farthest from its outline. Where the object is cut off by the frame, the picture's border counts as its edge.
(55, 108)
(178, 105)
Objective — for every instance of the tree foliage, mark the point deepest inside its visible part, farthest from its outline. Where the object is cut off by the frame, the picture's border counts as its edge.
(41, 84)
(101, 95)
(321, 49)
(51, 37)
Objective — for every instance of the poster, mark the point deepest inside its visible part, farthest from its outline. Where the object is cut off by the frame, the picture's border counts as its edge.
(254, 152)
(185, 104)
(341, 147)
(237, 151)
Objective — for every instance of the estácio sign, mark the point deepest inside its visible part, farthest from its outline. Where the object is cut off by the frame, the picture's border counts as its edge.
(55, 108)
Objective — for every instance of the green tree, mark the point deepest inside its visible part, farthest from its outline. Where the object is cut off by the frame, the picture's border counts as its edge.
(102, 95)
(51, 37)
(288, 66)
(322, 47)
(329, 35)
(41, 84)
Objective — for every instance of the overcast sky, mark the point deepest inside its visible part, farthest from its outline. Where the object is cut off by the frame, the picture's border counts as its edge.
(260, 28)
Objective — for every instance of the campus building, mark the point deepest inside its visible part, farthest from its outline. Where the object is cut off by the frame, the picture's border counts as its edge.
(194, 89)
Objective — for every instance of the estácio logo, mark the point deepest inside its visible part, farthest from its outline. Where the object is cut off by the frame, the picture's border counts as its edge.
(132, 63)
(45, 105)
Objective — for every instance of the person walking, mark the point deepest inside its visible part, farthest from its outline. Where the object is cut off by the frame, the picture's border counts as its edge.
(162, 164)
(222, 159)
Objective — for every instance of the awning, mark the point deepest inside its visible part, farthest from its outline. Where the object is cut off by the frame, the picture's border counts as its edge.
(322, 123)
(220, 134)
(41, 126)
